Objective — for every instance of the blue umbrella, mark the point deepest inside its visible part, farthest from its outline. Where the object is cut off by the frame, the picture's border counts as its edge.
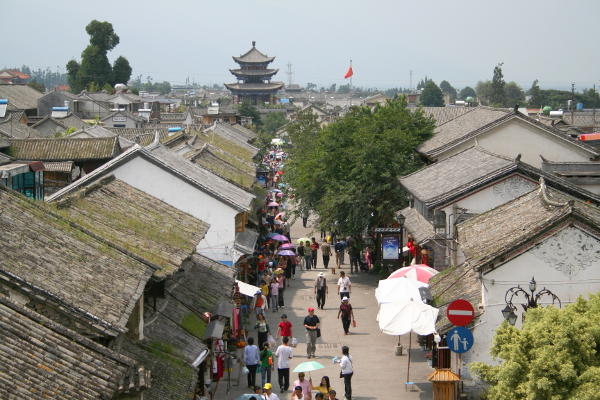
(249, 396)
(270, 235)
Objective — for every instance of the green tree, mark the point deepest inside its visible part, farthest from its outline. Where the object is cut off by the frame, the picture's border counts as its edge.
(422, 83)
(344, 88)
(102, 35)
(466, 92)
(446, 87)
(246, 109)
(36, 85)
(432, 96)
(274, 121)
(94, 67)
(348, 171)
(121, 71)
(514, 94)
(332, 87)
(484, 91)
(310, 86)
(498, 96)
(555, 355)
(535, 101)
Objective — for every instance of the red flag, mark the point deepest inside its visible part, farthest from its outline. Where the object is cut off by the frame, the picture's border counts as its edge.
(349, 73)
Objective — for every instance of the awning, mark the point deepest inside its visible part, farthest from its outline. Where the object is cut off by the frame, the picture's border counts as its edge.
(247, 289)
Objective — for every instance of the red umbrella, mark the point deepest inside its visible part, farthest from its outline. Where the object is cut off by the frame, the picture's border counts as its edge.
(419, 272)
(280, 173)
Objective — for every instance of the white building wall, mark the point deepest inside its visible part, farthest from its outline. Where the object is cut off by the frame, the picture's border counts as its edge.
(580, 275)
(518, 137)
(161, 184)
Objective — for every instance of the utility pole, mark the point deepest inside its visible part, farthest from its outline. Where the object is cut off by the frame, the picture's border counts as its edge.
(289, 72)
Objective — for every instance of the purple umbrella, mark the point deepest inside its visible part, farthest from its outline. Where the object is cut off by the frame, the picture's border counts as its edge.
(286, 246)
(280, 238)
(286, 253)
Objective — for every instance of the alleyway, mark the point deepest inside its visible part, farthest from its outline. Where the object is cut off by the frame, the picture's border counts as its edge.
(378, 373)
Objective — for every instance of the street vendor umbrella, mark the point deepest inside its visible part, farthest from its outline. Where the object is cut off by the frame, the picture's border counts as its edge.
(394, 290)
(419, 272)
(286, 246)
(405, 316)
(280, 173)
(280, 238)
(308, 366)
(273, 204)
(286, 253)
(303, 240)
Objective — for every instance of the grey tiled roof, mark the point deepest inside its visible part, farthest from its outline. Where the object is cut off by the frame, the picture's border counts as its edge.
(67, 266)
(246, 241)
(10, 127)
(497, 236)
(213, 162)
(64, 166)
(95, 131)
(43, 359)
(23, 97)
(70, 120)
(474, 168)
(253, 56)
(4, 159)
(417, 226)
(480, 120)
(234, 135)
(151, 228)
(65, 149)
(443, 114)
(253, 72)
(126, 114)
(163, 157)
(249, 133)
(97, 96)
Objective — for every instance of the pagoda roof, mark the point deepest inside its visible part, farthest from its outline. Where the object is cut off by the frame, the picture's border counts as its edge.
(254, 72)
(253, 56)
(254, 87)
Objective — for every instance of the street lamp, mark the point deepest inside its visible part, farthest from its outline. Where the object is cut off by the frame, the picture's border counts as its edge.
(531, 300)
(401, 218)
(368, 237)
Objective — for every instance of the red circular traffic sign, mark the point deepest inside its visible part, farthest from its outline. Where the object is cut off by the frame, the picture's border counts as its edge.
(460, 312)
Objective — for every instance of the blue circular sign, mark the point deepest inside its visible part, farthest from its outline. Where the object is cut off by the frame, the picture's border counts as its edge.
(459, 339)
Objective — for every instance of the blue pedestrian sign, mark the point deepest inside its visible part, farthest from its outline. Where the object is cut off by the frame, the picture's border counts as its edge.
(459, 339)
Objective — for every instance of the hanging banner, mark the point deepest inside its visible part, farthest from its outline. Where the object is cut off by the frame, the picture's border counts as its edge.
(390, 247)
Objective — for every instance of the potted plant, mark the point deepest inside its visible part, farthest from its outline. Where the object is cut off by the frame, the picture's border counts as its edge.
(422, 342)
(429, 358)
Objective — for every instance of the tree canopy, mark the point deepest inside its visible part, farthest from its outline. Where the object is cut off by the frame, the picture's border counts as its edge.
(535, 101)
(348, 171)
(95, 67)
(468, 91)
(246, 109)
(274, 121)
(447, 88)
(555, 355)
(432, 96)
(498, 96)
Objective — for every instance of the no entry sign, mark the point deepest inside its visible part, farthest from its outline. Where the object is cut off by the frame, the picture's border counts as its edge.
(460, 312)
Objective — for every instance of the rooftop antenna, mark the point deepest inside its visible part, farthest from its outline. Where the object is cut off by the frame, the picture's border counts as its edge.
(410, 73)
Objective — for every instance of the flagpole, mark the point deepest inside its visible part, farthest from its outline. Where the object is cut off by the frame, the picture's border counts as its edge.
(351, 88)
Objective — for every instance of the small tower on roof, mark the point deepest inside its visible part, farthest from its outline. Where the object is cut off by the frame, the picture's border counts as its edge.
(254, 78)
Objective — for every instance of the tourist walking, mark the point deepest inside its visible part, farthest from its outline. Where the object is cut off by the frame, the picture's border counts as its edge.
(354, 253)
(308, 256)
(326, 252)
(263, 328)
(301, 254)
(321, 290)
(269, 395)
(284, 328)
(304, 216)
(284, 354)
(281, 282)
(325, 386)
(347, 371)
(311, 323)
(346, 313)
(251, 359)
(266, 364)
(259, 303)
(344, 285)
(306, 385)
(314, 247)
(339, 253)
(274, 294)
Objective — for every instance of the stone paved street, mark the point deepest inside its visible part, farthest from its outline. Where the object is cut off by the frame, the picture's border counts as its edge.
(378, 372)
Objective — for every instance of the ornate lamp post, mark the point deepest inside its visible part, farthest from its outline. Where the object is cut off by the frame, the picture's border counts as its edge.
(531, 300)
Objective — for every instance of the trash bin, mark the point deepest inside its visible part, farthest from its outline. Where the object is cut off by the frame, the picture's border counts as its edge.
(398, 349)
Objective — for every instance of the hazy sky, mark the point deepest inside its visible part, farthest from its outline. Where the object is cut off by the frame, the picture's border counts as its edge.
(459, 41)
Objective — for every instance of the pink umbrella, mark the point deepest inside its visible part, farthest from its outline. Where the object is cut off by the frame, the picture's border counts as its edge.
(286, 253)
(273, 204)
(419, 272)
(280, 215)
(286, 246)
(280, 238)
(279, 195)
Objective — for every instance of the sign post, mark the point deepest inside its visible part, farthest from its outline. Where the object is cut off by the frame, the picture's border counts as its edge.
(460, 312)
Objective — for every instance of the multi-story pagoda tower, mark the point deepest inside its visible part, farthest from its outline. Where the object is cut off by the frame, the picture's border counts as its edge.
(254, 78)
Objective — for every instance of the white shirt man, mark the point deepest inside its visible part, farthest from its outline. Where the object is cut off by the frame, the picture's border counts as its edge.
(344, 285)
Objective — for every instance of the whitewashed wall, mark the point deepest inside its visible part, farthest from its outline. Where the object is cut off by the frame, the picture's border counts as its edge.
(161, 184)
(565, 274)
(518, 137)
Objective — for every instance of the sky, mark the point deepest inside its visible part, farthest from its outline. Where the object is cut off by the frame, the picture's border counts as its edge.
(458, 41)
